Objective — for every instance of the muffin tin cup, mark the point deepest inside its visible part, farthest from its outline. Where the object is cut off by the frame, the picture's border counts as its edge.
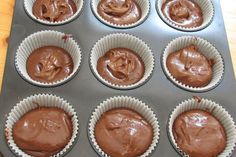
(46, 38)
(124, 102)
(208, 50)
(120, 40)
(207, 11)
(144, 6)
(217, 111)
(28, 5)
(33, 102)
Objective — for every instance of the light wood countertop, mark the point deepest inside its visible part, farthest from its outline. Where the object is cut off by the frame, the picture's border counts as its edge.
(6, 13)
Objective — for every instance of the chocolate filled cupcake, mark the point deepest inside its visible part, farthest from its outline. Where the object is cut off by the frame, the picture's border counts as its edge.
(49, 64)
(119, 132)
(119, 11)
(190, 66)
(54, 10)
(123, 127)
(193, 64)
(43, 132)
(48, 58)
(198, 133)
(199, 127)
(121, 66)
(185, 13)
(121, 61)
(41, 125)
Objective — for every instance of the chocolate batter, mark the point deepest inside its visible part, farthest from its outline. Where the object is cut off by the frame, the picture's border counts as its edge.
(119, 12)
(54, 10)
(43, 132)
(199, 134)
(190, 67)
(123, 132)
(49, 64)
(121, 66)
(185, 13)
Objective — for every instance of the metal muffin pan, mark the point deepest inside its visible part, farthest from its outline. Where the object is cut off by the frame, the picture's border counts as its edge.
(84, 92)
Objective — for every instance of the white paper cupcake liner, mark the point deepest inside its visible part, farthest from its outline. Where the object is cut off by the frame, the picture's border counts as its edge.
(207, 11)
(144, 6)
(46, 38)
(31, 103)
(124, 102)
(28, 5)
(208, 50)
(118, 40)
(217, 111)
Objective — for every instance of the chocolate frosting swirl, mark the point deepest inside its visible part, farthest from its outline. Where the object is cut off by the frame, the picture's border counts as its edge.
(190, 67)
(43, 132)
(54, 10)
(49, 64)
(185, 13)
(119, 11)
(199, 134)
(121, 66)
(120, 133)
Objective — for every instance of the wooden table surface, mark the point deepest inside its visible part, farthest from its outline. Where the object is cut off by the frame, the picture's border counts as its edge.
(6, 12)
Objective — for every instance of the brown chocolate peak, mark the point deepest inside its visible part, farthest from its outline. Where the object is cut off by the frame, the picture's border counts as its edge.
(123, 132)
(119, 11)
(48, 68)
(43, 132)
(185, 13)
(117, 7)
(121, 66)
(190, 67)
(179, 10)
(54, 10)
(49, 64)
(199, 134)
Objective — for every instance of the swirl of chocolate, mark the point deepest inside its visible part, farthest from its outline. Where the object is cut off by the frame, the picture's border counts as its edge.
(119, 11)
(121, 66)
(49, 64)
(190, 67)
(54, 10)
(43, 132)
(120, 133)
(184, 13)
(199, 134)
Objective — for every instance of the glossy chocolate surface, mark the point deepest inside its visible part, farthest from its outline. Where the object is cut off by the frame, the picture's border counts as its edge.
(119, 12)
(54, 10)
(185, 13)
(43, 132)
(199, 134)
(49, 64)
(123, 132)
(190, 67)
(121, 66)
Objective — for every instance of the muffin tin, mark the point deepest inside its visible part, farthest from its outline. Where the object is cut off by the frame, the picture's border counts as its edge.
(84, 92)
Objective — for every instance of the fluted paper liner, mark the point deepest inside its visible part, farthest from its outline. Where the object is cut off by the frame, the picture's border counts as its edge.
(32, 102)
(124, 102)
(207, 12)
(144, 6)
(208, 50)
(28, 5)
(217, 111)
(46, 38)
(118, 40)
